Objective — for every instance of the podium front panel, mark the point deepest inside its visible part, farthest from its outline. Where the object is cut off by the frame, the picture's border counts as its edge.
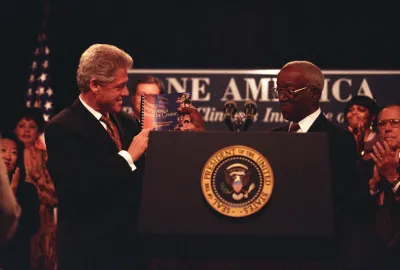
(300, 206)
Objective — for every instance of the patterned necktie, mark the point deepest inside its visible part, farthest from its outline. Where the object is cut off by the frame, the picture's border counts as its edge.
(112, 130)
(294, 127)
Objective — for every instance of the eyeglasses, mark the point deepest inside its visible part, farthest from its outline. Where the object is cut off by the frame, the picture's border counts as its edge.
(285, 92)
(394, 123)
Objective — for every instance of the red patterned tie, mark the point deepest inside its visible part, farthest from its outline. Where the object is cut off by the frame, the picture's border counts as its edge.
(294, 127)
(112, 130)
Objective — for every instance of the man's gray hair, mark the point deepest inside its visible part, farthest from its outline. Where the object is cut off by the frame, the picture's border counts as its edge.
(101, 61)
(315, 77)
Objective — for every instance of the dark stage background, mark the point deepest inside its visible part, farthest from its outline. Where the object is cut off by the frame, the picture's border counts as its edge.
(195, 34)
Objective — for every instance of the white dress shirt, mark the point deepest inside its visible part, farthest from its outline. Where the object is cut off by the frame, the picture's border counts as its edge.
(98, 115)
(306, 123)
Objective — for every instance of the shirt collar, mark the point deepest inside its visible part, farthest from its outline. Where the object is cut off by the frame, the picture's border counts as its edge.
(90, 109)
(306, 123)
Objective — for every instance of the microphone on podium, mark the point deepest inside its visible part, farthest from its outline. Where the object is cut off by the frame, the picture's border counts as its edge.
(230, 109)
(250, 109)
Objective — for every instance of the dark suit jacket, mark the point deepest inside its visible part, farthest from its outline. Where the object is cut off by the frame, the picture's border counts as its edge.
(137, 124)
(388, 215)
(350, 194)
(350, 199)
(97, 190)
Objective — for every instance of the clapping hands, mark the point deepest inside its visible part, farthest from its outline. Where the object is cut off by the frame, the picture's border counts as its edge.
(386, 161)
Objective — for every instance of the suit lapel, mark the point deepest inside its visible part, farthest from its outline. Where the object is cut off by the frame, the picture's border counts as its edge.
(92, 126)
(320, 124)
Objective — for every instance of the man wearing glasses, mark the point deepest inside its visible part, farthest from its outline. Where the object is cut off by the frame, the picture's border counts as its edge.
(299, 88)
(385, 182)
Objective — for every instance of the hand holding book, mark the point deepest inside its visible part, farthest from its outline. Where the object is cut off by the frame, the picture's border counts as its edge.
(170, 112)
(196, 122)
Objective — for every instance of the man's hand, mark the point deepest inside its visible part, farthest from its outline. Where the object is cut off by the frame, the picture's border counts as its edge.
(374, 181)
(139, 144)
(386, 160)
(196, 121)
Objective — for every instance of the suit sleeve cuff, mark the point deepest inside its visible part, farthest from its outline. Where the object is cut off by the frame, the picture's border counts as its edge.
(128, 159)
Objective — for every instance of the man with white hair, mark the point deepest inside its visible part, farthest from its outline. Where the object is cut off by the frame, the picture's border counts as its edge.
(93, 152)
(299, 88)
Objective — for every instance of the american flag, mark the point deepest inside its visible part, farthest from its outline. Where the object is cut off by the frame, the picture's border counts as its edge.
(40, 93)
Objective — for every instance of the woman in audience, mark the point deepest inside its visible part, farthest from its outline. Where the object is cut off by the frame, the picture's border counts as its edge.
(9, 208)
(361, 115)
(15, 254)
(28, 129)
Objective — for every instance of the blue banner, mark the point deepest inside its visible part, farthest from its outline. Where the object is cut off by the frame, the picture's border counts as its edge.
(210, 89)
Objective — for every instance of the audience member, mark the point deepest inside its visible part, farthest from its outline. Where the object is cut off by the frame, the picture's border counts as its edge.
(9, 208)
(385, 182)
(16, 253)
(361, 115)
(28, 128)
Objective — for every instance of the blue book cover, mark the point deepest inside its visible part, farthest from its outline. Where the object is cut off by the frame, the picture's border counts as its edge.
(161, 111)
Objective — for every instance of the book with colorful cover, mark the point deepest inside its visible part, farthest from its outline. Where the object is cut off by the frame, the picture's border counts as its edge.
(161, 111)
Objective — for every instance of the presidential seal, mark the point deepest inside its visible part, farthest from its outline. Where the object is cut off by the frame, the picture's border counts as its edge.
(237, 181)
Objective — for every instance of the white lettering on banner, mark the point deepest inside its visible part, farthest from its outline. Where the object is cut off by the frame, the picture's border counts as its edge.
(336, 90)
(174, 83)
(214, 115)
(198, 88)
(209, 90)
(232, 90)
(364, 89)
(324, 94)
(211, 114)
(254, 89)
(273, 117)
(340, 118)
(258, 89)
